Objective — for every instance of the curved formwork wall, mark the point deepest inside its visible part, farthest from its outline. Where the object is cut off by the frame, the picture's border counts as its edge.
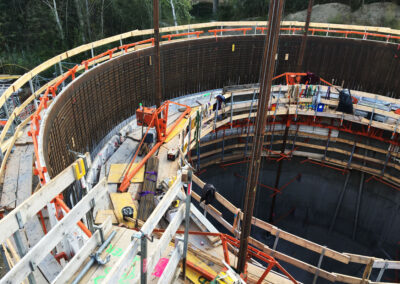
(106, 95)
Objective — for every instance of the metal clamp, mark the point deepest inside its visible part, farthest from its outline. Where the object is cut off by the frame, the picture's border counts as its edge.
(32, 265)
(96, 257)
(19, 219)
(140, 235)
(100, 229)
(92, 203)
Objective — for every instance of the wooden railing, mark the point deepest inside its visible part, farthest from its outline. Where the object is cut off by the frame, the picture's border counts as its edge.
(370, 262)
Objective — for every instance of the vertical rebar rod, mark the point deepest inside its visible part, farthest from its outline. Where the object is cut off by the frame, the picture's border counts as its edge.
(299, 67)
(267, 71)
(157, 65)
(304, 39)
(279, 170)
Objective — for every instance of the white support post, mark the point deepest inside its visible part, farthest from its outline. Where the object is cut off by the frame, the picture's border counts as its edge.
(319, 265)
(378, 279)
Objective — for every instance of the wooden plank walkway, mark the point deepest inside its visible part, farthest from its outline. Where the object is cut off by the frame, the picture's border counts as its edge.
(17, 187)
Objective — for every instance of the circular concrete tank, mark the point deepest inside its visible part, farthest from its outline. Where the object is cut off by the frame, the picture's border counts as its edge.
(93, 104)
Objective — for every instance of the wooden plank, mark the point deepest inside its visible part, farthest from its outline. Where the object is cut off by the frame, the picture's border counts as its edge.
(81, 256)
(166, 239)
(147, 205)
(53, 237)
(310, 245)
(119, 201)
(118, 170)
(349, 279)
(204, 224)
(114, 250)
(194, 275)
(29, 208)
(25, 174)
(356, 258)
(300, 264)
(391, 264)
(103, 215)
(48, 266)
(122, 264)
(49, 63)
(135, 189)
(169, 270)
(9, 192)
(24, 138)
(124, 154)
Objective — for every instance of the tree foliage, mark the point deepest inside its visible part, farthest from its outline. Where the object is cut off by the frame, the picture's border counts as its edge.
(32, 31)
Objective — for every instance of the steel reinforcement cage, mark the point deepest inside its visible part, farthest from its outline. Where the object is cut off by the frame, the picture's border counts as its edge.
(98, 100)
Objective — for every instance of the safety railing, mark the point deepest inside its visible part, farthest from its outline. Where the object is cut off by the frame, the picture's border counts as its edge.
(346, 33)
(108, 52)
(244, 30)
(148, 264)
(345, 258)
(310, 117)
(245, 27)
(170, 36)
(126, 46)
(32, 207)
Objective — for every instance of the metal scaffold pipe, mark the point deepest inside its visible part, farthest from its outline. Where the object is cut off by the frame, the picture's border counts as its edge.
(267, 72)
(304, 38)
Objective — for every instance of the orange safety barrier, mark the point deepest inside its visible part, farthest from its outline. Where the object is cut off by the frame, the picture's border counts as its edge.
(126, 46)
(108, 52)
(35, 118)
(61, 203)
(183, 34)
(345, 32)
(244, 30)
(293, 78)
(34, 133)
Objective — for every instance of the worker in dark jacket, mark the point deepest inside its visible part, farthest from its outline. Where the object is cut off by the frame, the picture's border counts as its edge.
(220, 103)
